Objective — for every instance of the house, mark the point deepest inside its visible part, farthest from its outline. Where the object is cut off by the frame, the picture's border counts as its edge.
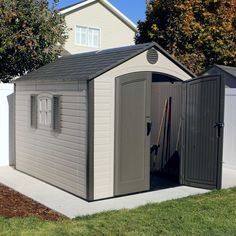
(96, 25)
(85, 123)
(229, 75)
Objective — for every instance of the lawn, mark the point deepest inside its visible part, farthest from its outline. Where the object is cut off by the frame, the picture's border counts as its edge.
(210, 214)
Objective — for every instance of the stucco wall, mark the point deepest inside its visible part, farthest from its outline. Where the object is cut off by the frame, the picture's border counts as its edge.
(114, 32)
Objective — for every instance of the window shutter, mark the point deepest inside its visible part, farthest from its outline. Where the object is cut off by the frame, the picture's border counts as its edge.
(56, 117)
(33, 111)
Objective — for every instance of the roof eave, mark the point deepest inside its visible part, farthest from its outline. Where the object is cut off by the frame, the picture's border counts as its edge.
(108, 5)
(224, 70)
(183, 67)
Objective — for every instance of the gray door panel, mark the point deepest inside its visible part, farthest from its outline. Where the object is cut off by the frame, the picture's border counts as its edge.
(202, 137)
(133, 98)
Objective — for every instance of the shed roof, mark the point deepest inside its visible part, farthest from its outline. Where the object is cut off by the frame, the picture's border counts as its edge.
(87, 66)
(228, 69)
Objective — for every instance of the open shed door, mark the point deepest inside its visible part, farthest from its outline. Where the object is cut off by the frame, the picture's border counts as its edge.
(203, 113)
(132, 132)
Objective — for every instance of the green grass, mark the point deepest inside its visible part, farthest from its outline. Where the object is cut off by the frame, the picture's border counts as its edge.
(210, 214)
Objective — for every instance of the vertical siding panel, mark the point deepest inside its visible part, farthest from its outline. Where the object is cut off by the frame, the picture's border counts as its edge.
(104, 98)
(229, 150)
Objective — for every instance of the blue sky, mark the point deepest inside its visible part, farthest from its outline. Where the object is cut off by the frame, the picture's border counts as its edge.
(133, 9)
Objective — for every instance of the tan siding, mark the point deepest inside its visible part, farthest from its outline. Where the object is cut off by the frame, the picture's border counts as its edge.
(59, 159)
(114, 32)
(103, 146)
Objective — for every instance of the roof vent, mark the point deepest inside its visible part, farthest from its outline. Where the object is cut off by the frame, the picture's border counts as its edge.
(152, 56)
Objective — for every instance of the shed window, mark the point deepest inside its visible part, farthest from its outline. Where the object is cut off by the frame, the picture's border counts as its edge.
(86, 36)
(45, 111)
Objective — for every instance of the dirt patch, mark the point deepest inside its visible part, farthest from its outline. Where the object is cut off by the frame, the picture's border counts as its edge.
(14, 204)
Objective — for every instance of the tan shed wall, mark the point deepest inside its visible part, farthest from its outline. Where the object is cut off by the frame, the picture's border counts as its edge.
(104, 119)
(114, 32)
(57, 158)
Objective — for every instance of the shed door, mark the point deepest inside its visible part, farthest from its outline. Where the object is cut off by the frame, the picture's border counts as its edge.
(132, 159)
(203, 132)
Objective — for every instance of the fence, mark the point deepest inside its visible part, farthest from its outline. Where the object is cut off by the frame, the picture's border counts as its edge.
(6, 124)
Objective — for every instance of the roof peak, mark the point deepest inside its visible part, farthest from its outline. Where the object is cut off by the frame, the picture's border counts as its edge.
(108, 5)
(224, 66)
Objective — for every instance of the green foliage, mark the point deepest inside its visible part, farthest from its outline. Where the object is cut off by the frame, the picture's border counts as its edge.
(213, 213)
(199, 33)
(30, 36)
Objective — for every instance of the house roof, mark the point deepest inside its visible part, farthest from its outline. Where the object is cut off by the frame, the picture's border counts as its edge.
(89, 65)
(228, 69)
(105, 3)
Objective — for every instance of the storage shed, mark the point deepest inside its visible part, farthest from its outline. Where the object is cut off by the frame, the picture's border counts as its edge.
(86, 122)
(229, 147)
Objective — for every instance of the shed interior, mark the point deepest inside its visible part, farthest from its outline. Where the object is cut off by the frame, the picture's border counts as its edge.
(166, 107)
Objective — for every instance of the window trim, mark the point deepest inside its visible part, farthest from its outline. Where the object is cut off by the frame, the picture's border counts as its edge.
(88, 27)
(56, 128)
(33, 111)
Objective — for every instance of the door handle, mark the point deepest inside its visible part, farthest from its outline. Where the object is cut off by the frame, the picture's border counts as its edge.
(219, 125)
(149, 128)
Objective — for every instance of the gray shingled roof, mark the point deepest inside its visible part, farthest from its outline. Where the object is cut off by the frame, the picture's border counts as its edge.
(87, 66)
(228, 69)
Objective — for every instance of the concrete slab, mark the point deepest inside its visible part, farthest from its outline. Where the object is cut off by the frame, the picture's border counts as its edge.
(228, 177)
(72, 206)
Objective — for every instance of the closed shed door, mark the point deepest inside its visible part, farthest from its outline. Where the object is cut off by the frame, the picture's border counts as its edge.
(132, 133)
(203, 132)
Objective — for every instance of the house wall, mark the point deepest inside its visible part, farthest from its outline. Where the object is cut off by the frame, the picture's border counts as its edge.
(6, 124)
(229, 147)
(114, 32)
(57, 158)
(104, 119)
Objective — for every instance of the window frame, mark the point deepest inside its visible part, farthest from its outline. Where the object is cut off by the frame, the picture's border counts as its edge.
(56, 118)
(87, 28)
(40, 125)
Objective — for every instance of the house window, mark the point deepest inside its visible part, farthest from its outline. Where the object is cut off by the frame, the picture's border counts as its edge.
(45, 111)
(86, 36)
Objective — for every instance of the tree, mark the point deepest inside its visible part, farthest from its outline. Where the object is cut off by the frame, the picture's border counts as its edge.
(31, 35)
(198, 33)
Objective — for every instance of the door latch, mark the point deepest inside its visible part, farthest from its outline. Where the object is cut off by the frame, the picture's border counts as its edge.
(149, 128)
(219, 125)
